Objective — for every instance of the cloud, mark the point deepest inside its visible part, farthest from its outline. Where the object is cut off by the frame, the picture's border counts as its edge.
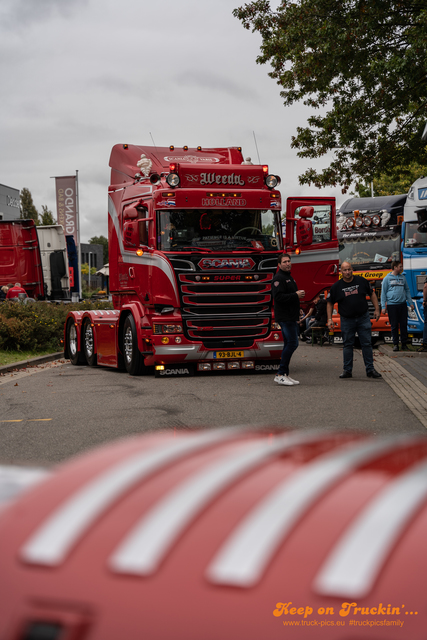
(198, 79)
(19, 14)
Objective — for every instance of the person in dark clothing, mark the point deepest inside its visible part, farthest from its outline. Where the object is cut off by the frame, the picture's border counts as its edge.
(286, 297)
(301, 324)
(350, 292)
(320, 316)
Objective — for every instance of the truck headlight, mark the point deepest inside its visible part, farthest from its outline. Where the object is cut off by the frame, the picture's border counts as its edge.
(173, 179)
(272, 181)
(167, 328)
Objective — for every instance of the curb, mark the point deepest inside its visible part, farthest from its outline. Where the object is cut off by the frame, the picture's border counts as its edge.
(31, 362)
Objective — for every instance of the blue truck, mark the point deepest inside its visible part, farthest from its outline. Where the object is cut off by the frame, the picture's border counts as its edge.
(414, 253)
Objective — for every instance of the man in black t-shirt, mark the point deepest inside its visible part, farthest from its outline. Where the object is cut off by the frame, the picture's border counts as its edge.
(350, 292)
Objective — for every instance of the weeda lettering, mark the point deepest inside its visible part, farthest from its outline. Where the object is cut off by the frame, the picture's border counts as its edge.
(214, 178)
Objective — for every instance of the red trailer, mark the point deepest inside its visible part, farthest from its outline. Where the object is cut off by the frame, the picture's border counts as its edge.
(36, 257)
(194, 236)
(20, 258)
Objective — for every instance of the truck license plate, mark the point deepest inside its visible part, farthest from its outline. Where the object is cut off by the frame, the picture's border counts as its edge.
(221, 355)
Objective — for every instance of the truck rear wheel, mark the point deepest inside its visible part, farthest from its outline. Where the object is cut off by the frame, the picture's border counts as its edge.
(72, 343)
(89, 343)
(134, 361)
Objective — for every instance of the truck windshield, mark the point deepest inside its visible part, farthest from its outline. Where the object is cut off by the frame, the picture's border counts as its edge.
(217, 230)
(369, 249)
(413, 238)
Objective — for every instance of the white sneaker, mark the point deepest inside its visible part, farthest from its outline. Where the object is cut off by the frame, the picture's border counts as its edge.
(284, 380)
(293, 381)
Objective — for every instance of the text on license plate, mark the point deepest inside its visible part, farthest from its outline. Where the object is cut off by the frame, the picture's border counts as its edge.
(228, 354)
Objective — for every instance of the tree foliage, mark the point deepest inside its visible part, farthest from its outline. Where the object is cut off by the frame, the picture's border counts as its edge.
(47, 216)
(101, 240)
(28, 209)
(85, 269)
(362, 64)
(394, 184)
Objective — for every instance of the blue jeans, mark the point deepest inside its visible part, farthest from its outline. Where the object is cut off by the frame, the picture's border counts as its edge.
(425, 326)
(362, 325)
(290, 339)
(398, 316)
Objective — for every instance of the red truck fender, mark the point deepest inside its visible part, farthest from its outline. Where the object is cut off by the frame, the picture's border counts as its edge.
(222, 533)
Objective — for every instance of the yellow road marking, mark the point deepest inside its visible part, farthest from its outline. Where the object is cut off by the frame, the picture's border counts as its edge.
(29, 420)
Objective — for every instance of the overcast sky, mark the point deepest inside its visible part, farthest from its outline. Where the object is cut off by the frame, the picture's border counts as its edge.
(79, 76)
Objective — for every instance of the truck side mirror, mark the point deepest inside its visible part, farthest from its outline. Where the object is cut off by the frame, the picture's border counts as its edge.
(130, 213)
(131, 234)
(306, 212)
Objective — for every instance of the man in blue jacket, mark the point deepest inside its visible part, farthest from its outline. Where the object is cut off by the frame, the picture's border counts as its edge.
(395, 299)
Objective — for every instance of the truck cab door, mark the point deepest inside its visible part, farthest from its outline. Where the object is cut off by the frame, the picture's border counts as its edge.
(311, 240)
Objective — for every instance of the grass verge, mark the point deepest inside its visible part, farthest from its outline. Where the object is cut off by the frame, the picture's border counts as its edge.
(9, 357)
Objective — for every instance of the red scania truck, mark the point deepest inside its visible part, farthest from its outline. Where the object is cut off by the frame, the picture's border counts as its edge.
(194, 236)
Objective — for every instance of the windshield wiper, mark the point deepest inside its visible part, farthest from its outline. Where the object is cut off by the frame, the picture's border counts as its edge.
(249, 249)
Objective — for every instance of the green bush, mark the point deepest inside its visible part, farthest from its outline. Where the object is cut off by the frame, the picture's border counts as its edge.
(38, 325)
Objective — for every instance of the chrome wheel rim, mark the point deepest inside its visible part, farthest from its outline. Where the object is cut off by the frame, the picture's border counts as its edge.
(128, 344)
(72, 340)
(88, 340)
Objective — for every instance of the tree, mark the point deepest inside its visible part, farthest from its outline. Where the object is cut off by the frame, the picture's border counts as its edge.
(85, 269)
(47, 216)
(394, 184)
(101, 240)
(28, 209)
(363, 64)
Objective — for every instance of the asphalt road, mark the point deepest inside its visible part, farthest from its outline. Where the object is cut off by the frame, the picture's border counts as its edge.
(56, 410)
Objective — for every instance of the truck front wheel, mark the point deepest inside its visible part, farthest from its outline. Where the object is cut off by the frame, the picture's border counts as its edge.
(89, 343)
(134, 361)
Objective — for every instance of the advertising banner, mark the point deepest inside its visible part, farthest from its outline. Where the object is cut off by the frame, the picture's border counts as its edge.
(67, 205)
(67, 210)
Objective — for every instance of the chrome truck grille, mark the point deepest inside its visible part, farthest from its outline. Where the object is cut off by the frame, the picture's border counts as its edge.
(226, 310)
